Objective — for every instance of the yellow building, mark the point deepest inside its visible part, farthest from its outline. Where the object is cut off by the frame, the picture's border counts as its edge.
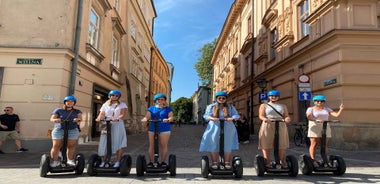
(160, 76)
(51, 49)
(335, 43)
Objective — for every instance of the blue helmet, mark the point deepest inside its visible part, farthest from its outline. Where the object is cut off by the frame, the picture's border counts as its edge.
(70, 98)
(273, 92)
(319, 98)
(114, 92)
(159, 95)
(221, 93)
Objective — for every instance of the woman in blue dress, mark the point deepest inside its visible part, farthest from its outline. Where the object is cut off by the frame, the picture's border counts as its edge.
(210, 139)
(160, 111)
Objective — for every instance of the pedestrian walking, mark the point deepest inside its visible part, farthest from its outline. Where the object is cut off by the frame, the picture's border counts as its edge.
(10, 127)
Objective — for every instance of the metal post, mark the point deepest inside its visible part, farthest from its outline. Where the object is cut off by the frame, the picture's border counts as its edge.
(252, 68)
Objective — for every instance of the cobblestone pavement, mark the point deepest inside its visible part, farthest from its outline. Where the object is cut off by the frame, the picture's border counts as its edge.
(362, 166)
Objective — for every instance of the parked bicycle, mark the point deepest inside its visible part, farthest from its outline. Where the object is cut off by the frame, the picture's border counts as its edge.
(300, 136)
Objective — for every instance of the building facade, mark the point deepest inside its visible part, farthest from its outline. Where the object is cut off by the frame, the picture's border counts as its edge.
(82, 48)
(335, 43)
(201, 99)
(160, 81)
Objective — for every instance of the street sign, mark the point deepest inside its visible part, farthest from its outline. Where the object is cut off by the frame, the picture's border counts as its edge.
(262, 97)
(303, 78)
(304, 85)
(304, 95)
(304, 89)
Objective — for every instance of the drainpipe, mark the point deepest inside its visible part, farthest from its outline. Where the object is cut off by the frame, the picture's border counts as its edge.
(150, 76)
(252, 67)
(76, 48)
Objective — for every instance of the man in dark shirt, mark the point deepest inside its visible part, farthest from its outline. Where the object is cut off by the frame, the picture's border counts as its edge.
(9, 127)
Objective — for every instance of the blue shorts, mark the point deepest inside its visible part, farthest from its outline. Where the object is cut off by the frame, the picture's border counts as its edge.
(57, 133)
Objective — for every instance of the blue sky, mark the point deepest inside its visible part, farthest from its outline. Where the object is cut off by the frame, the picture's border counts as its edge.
(181, 28)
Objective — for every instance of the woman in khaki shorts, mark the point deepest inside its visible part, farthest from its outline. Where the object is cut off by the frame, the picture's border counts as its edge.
(316, 115)
(267, 113)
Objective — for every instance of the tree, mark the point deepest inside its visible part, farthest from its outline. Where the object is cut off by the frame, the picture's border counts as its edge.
(182, 109)
(203, 66)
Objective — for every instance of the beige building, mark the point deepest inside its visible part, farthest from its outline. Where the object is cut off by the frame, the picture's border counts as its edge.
(81, 48)
(335, 43)
(160, 77)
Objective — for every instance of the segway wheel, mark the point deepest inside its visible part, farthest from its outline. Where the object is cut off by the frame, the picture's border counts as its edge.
(93, 162)
(125, 165)
(306, 164)
(260, 165)
(140, 163)
(293, 165)
(80, 164)
(340, 165)
(204, 167)
(237, 166)
(44, 165)
(172, 165)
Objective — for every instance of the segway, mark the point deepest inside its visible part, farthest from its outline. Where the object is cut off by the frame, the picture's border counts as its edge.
(141, 165)
(237, 163)
(93, 165)
(63, 167)
(334, 163)
(276, 168)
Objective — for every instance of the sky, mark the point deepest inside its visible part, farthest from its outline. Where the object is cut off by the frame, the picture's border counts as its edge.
(181, 28)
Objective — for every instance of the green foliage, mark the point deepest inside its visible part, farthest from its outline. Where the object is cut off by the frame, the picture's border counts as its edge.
(182, 108)
(203, 66)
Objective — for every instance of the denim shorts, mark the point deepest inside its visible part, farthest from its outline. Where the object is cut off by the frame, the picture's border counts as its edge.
(57, 133)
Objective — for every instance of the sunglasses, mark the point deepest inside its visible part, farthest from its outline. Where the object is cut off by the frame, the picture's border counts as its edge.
(221, 98)
(115, 95)
(320, 101)
(6, 110)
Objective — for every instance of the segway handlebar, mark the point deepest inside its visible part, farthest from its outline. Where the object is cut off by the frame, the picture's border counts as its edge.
(329, 121)
(155, 120)
(277, 120)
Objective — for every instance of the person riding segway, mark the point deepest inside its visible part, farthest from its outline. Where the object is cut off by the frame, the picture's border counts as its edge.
(273, 134)
(64, 136)
(112, 140)
(159, 117)
(319, 132)
(221, 116)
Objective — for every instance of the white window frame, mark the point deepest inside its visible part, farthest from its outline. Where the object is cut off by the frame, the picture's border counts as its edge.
(303, 9)
(115, 52)
(93, 29)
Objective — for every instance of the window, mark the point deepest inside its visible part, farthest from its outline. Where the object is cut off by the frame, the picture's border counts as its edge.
(115, 53)
(133, 28)
(117, 5)
(93, 29)
(303, 14)
(273, 41)
(249, 25)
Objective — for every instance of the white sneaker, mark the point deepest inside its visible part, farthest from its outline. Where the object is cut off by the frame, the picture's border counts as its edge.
(102, 164)
(54, 163)
(71, 162)
(117, 164)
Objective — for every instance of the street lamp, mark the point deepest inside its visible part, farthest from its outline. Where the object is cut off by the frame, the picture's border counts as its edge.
(262, 83)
